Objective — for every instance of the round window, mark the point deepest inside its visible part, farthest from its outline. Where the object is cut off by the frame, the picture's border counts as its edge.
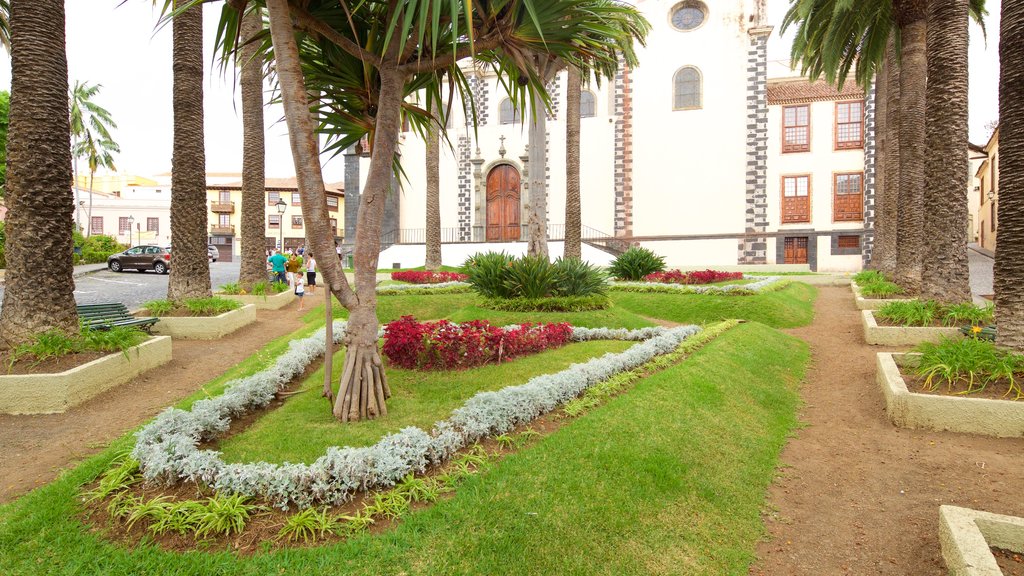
(688, 15)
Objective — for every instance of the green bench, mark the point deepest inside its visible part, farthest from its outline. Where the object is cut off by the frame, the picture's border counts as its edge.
(987, 333)
(106, 316)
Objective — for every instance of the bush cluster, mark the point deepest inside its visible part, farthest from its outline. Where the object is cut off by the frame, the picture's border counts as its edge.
(214, 306)
(928, 312)
(499, 275)
(427, 277)
(693, 277)
(875, 284)
(553, 304)
(54, 343)
(970, 363)
(444, 345)
(636, 263)
(98, 247)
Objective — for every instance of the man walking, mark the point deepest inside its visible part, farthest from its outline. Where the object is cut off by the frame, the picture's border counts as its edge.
(277, 263)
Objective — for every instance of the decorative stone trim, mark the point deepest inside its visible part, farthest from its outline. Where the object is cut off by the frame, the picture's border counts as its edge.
(623, 169)
(906, 409)
(871, 303)
(966, 537)
(870, 176)
(205, 327)
(754, 250)
(55, 393)
(275, 302)
(465, 190)
(903, 335)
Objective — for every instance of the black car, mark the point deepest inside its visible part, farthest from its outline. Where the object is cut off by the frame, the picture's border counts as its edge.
(140, 258)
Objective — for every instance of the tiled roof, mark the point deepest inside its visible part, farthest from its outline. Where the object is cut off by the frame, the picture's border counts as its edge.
(796, 91)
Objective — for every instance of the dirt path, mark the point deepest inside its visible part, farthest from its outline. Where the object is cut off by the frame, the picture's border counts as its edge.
(857, 495)
(34, 449)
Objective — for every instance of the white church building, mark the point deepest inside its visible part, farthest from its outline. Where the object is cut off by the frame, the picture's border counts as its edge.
(696, 153)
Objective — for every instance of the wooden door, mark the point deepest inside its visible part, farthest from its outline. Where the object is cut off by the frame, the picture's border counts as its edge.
(503, 204)
(796, 250)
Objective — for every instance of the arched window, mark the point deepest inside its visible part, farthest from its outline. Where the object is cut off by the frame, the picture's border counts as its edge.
(686, 89)
(508, 114)
(586, 104)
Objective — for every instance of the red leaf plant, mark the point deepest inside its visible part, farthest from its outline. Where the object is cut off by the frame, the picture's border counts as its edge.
(427, 277)
(444, 345)
(694, 277)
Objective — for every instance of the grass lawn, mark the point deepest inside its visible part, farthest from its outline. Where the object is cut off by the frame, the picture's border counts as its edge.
(669, 478)
(417, 399)
(611, 317)
(787, 308)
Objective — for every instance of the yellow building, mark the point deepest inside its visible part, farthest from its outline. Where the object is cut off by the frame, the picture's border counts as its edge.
(112, 184)
(988, 177)
(225, 215)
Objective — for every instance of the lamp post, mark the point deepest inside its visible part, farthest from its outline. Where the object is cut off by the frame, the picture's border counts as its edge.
(131, 222)
(281, 207)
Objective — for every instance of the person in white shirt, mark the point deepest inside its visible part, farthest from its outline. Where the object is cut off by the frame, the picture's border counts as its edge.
(300, 290)
(311, 272)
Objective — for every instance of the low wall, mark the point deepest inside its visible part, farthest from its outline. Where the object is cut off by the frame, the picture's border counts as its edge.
(205, 327)
(275, 302)
(903, 335)
(871, 303)
(966, 535)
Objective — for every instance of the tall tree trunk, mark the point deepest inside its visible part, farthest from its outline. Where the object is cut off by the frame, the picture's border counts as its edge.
(433, 167)
(537, 204)
(944, 275)
(572, 163)
(39, 291)
(882, 227)
(254, 201)
(1009, 266)
(190, 267)
(328, 345)
(913, 74)
(363, 388)
(888, 214)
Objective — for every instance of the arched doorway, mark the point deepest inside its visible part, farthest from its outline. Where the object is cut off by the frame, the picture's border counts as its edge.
(503, 204)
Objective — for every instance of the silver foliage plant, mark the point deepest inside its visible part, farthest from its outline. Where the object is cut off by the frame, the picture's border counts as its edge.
(422, 287)
(168, 448)
(765, 282)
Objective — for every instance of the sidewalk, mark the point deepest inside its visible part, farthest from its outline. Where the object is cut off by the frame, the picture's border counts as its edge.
(80, 270)
(983, 251)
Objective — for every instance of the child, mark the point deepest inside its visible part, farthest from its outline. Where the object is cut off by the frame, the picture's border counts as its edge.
(300, 290)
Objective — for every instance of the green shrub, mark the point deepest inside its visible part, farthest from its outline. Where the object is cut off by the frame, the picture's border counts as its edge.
(880, 289)
(497, 275)
(96, 248)
(529, 277)
(54, 343)
(969, 362)
(635, 263)
(231, 288)
(486, 273)
(159, 307)
(213, 306)
(574, 277)
(968, 313)
(869, 276)
(909, 313)
(551, 304)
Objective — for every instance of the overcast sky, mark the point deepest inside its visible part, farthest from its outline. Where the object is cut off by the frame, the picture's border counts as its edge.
(116, 46)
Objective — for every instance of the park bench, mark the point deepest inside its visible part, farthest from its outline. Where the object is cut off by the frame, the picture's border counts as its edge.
(106, 316)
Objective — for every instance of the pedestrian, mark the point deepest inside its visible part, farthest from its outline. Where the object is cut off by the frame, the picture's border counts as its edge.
(277, 265)
(311, 272)
(292, 267)
(300, 291)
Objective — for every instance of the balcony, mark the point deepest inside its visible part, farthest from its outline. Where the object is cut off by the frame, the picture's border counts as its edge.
(222, 207)
(218, 230)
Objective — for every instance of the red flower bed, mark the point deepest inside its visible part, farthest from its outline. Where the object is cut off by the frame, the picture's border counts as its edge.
(443, 345)
(694, 277)
(426, 277)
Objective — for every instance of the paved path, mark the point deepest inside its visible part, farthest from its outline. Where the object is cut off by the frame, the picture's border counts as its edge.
(981, 274)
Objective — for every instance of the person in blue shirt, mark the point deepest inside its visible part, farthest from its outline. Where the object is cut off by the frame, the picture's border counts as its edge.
(277, 262)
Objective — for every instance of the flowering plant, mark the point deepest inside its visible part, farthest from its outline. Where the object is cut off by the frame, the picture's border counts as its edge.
(444, 345)
(694, 277)
(427, 277)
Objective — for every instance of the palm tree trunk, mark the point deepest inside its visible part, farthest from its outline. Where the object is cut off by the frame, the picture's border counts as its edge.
(433, 166)
(1009, 266)
(881, 226)
(190, 268)
(944, 274)
(888, 214)
(537, 206)
(572, 163)
(254, 259)
(39, 290)
(363, 388)
(913, 74)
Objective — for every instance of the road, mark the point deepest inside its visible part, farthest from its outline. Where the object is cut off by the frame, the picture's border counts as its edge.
(136, 288)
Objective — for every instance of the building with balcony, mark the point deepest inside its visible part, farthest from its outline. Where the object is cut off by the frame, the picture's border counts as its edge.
(988, 197)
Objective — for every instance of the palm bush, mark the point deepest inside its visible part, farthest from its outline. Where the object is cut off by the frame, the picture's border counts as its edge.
(529, 277)
(496, 275)
(486, 273)
(635, 263)
(574, 277)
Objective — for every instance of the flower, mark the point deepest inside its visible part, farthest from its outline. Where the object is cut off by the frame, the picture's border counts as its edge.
(975, 329)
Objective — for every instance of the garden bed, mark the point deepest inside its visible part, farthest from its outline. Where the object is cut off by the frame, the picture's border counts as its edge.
(906, 409)
(272, 302)
(57, 392)
(903, 335)
(968, 536)
(755, 285)
(206, 327)
(872, 303)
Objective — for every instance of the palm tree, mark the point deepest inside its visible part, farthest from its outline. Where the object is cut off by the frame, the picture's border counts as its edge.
(574, 87)
(253, 268)
(945, 276)
(890, 191)
(433, 167)
(366, 70)
(39, 199)
(1009, 266)
(90, 122)
(190, 274)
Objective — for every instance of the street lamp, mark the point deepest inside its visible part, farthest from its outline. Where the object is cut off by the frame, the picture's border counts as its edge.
(281, 207)
(131, 222)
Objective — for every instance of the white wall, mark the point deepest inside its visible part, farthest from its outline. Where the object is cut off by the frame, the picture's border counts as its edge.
(140, 207)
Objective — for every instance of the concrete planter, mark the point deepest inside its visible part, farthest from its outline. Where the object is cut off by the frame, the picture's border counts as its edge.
(205, 327)
(54, 393)
(871, 303)
(275, 302)
(903, 335)
(906, 409)
(966, 536)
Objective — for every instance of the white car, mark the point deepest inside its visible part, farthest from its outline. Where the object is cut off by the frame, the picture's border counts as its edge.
(212, 252)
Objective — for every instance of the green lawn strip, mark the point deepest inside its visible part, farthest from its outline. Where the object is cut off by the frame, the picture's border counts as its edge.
(669, 478)
(612, 317)
(789, 307)
(420, 306)
(784, 274)
(417, 399)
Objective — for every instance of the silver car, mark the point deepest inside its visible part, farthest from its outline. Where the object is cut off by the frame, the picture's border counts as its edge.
(212, 252)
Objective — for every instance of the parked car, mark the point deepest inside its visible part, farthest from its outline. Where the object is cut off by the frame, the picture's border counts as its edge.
(214, 253)
(141, 258)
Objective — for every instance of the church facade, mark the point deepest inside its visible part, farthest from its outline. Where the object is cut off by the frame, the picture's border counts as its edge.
(691, 153)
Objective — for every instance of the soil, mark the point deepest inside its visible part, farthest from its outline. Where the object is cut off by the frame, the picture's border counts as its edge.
(856, 495)
(36, 448)
(1010, 562)
(28, 364)
(998, 390)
